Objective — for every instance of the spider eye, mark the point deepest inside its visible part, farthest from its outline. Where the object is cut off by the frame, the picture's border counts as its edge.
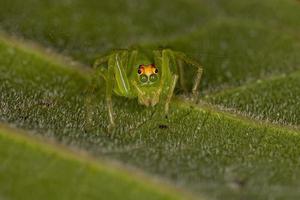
(153, 77)
(144, 78)
(139, 71)
(156, 71)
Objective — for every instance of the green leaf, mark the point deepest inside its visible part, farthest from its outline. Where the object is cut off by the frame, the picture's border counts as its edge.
(32, 169)
(237, 143)
(276, 100)
(199, 148)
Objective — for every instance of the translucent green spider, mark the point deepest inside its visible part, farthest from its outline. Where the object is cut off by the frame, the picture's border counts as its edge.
(149, 78)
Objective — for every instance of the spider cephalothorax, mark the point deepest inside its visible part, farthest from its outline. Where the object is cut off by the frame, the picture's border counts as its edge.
(148, 74)
(150, 83)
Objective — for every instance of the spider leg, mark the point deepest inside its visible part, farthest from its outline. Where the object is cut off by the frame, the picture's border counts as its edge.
(170, 92)
(131, 61)
(141, 94)
(116, 79)
(99, 66)
(113, 69)
(195, 90)
(197, 79)
(177, 67)
(181, 75)
(167, 78)
(158, 62)
(157, 57)
(108, 75)
(109, 90)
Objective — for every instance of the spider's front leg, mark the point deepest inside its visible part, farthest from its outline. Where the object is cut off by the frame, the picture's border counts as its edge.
(109, 91)
(178, 60)
(170, 92)
(168, 80)
(115, 70)
(182, 57)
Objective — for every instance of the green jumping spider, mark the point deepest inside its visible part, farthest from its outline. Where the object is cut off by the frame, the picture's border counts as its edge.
(149, 78)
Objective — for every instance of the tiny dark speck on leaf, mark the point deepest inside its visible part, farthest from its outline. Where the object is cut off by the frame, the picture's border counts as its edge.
(162, 126)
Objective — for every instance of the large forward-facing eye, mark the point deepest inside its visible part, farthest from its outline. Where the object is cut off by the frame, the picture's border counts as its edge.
(140, 70)
(153, 77)
(143, 78)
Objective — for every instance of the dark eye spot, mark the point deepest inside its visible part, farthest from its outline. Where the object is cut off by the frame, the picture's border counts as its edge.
(156, 71)
(139, 71)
